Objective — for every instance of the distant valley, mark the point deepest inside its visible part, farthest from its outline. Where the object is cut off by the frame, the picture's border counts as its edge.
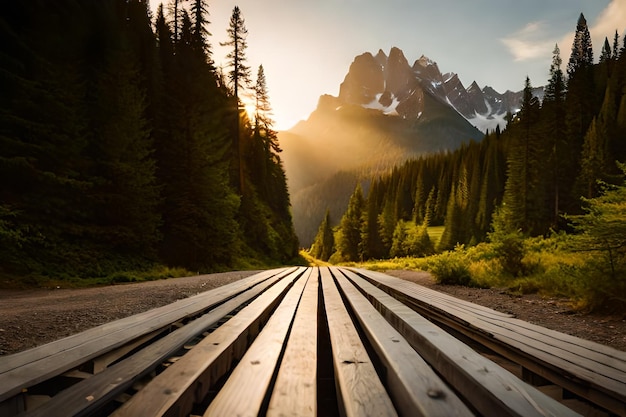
(387, 111)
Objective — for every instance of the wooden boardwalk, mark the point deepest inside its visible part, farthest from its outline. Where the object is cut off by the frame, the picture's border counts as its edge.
(314, 341)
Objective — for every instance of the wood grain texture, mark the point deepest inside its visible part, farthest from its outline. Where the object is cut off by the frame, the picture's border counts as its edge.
(563, 358)
(488, 387)
(360, 390)
(175, 390)
(30, 367)
(295, 389)
(413, 385)
(247, 387)
(90, 393)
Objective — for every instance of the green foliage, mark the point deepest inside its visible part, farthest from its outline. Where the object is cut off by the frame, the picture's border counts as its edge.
(324, 244)
(602, 233)
(117, 145)
(450, 268)
(349, 241)
(411, 240)
(508, 243)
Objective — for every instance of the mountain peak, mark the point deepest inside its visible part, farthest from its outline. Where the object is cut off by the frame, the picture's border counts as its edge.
(387, 83)
(381, 58)
(363, 81)
(424, 61)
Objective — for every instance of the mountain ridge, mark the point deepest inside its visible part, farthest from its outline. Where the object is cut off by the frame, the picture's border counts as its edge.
(386, 112)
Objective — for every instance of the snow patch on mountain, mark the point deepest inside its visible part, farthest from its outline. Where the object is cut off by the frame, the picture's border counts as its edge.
(389, 110)
(484, 122)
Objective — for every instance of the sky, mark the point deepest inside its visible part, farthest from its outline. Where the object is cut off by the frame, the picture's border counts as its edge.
(306, 46)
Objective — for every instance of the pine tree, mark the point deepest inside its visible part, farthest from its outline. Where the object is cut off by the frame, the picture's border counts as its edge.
(556, 131)
(174, 11)
(602, 231)
(593, 159)
(200, 34)
(606, 54)
(398, 245)
(324, 244)
(582, 50)
(525, 187)
(386, 225)
(452, 232)
(200, 228)
(370, 233)
(616, 52)
(264, 171)
(580, 103)
(351, 223)
(240, 79)
(127, 193)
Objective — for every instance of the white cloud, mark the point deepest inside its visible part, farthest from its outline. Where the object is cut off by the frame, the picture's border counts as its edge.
(530, 42)
(612, 18)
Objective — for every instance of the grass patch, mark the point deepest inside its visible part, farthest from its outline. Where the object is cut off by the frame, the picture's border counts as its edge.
(311, 261)
(435, 233)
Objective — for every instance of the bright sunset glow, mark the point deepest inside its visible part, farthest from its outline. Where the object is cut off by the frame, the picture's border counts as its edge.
(306, 47)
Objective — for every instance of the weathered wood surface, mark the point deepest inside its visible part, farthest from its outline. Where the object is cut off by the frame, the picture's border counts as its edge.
(360, 391)
(269, 336)
(245, 391)
(103, 386)
(27, 368)
(413, 384)
(563, 359)
(187, 381)
(295, 390)
(488, 387)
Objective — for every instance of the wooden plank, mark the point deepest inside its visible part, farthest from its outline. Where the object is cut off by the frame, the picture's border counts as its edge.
(25, 369)
(413, 385)
(86, 396)
(488, 387)
(247, 387)
(360, 391)
(295, 389)
(564, 359)
(177, 388)
(584, 348)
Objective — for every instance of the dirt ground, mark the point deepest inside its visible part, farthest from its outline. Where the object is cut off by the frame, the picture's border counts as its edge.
(34, 317)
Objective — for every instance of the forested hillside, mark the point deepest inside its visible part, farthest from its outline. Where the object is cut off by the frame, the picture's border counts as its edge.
(553, 157)
(122, 146)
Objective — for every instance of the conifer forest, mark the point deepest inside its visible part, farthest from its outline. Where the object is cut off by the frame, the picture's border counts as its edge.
(553, 177)
(123, 147)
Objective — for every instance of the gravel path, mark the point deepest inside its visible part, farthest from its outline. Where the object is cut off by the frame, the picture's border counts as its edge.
(34, 317)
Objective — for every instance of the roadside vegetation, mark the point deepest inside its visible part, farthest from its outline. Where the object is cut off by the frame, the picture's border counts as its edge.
(126, 155)
(539, 206)
(587, 265)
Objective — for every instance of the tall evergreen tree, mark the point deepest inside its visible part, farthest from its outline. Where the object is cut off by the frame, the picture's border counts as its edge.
(200, 33)
(240, 79)
(127, 195)
(580, 107)
(370, 233)
(582, 49)
(349, 243)
(525, 187)
(606, 54)
(324, 244)
(556, 131)
(593, 158)
(616, 53)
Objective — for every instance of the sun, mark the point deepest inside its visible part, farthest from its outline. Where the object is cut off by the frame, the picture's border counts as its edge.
(250, 109)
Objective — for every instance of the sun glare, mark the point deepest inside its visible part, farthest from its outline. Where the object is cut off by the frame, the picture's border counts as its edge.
(250, 108)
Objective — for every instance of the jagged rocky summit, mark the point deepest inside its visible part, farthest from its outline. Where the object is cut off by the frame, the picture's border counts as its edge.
(391, 85)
